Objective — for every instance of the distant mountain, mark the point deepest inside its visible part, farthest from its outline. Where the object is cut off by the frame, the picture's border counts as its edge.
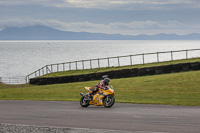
(39, 32)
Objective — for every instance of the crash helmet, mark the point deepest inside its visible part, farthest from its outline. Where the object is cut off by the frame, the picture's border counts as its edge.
(106, 81)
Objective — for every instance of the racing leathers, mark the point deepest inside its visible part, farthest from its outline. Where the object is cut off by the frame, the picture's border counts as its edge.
(103, 85)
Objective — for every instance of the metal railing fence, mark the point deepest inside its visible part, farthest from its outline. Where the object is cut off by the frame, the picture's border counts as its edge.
(116, 61)
(14, 80)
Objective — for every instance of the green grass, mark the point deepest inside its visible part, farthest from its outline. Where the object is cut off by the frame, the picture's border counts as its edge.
(172, 89)
(79, 72)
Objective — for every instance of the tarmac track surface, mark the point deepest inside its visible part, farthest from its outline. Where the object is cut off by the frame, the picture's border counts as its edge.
(127, 117)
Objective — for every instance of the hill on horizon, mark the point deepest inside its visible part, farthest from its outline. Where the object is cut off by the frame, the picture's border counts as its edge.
(40, 32)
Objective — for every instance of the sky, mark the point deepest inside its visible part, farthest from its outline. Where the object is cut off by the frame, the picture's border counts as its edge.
(126, 17)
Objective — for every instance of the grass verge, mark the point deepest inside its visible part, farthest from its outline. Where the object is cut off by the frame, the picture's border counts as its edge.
(172, 89)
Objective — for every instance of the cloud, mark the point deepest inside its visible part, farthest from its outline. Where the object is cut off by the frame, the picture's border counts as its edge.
(132, 28)
(128, 17)
(130, 4)
(31, 2)
(109, 4)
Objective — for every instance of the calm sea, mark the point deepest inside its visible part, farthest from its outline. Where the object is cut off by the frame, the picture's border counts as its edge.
(20, 58)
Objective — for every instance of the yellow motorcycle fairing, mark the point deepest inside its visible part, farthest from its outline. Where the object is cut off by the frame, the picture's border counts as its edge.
(99, 96)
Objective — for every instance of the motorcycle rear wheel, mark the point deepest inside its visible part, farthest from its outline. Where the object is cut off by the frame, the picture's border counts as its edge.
(84, 102)
(108, 101)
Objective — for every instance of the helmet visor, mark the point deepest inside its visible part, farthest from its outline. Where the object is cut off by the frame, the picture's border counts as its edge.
(106, 83)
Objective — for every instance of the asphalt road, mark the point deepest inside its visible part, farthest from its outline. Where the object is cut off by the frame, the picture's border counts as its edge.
(129, 117)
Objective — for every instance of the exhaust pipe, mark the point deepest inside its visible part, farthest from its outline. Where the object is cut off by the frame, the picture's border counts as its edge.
(82, 94)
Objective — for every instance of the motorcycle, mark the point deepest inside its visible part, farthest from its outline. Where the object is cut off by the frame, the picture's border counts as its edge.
(104, 96)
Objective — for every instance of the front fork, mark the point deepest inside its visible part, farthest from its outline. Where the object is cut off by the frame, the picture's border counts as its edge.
(107, 98)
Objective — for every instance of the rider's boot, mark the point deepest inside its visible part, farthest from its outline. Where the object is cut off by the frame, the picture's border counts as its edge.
(90, 97)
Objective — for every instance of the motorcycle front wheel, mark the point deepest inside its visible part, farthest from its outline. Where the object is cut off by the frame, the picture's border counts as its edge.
(108, 101)
(84, 102)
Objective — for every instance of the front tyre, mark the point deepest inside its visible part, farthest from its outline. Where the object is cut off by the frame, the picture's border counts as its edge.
(84, 102)
(108, 101)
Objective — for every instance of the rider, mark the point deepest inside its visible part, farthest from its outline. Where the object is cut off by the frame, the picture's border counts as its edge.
(103, 85)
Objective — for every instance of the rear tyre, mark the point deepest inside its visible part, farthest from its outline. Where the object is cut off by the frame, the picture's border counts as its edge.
(108, 101)
(84, 102)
